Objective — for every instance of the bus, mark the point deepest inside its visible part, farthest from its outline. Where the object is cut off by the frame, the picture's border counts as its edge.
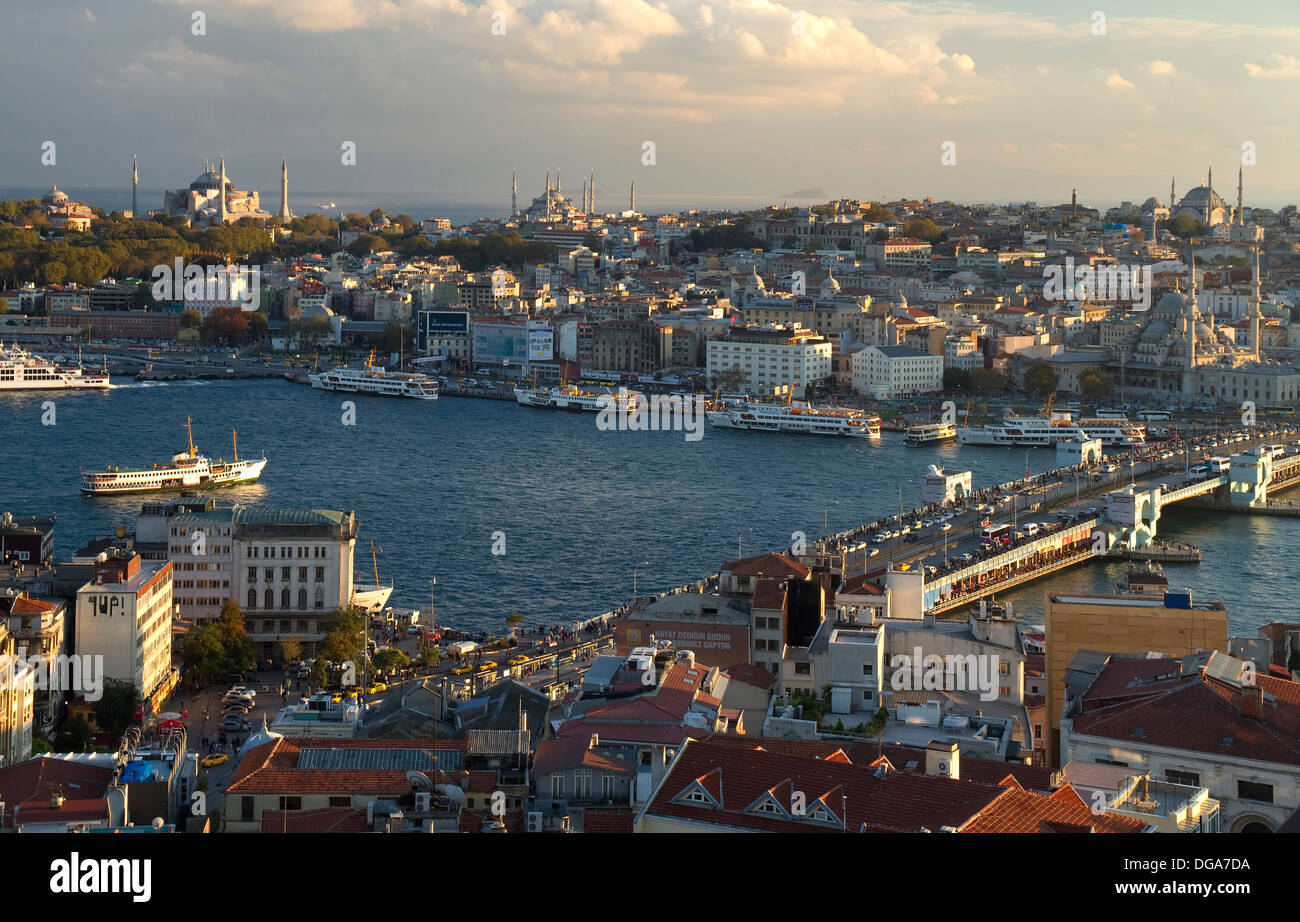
(995, 534)
(1154, 416)
(1110, 413)
(1276, 451)
(1218, 464)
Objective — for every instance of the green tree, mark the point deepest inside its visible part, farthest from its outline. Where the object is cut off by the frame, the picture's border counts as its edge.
(513, 620)
(290, 651)
(388, 659)
(922, 229)
(1185, 226)
(1040, 379)
(1095, 384)
(191, 319)
(115, 711)
(956, 379)
(76, 735)
(344, 636)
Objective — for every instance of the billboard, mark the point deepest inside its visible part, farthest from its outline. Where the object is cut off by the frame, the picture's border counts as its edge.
(445, 323)
(541, 341)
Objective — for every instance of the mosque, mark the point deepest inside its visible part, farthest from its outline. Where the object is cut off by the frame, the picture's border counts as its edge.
(1205, 205)
(213, 199)
(1178, 356)
(552, 205)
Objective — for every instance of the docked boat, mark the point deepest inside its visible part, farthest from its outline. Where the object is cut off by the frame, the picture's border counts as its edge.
(1046, 431)
(797, 417)
(572, 398)
(187, 470)
(928, 433)
(372, 380)
(21, 370)
(371, 597)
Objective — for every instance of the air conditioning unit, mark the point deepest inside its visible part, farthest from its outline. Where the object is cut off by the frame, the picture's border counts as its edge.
(534, 821)
(943, 766)
(422, 801)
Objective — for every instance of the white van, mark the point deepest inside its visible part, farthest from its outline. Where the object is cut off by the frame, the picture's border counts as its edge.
(1032, 529)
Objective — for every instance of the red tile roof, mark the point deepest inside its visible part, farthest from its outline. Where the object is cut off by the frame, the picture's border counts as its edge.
(321, 819)
(83, 810)
(770, 594)
(1064, 810)
(750, 675)
(36, 779)
(26, 605)
(607, 821)
(771, 564)
(272, 768)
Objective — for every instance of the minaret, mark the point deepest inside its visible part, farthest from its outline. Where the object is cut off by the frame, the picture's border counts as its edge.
(514, 191)
(1209, 195)
(631, 204)
(584, 196)
(221, 193)
(1240, 177)
(284, 189)
(593, 192)
(1254, 311)
(1171, 196)
(135, 186)
(558, 191)
(1191, 313)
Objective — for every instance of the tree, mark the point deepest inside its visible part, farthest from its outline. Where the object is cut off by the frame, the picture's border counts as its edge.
(513, 620)
(731, 380)
(76, 735)
(1185, 226)
(389, 659)
(1040, 379)
(344, 636)
(290, 651)
(1095, 384)
(191, 319)
(987, 380)
(922, 229)
(956, 379)
(115, 711)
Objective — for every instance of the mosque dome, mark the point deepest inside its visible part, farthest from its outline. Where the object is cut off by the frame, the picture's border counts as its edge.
(1155, 331)
(259, 737)
(1172, 303)
(54, 197)
(1197, 197)
(1152, 204)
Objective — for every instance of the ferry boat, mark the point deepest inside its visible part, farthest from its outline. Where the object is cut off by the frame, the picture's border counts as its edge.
(1046, 431)
(572, 398)
(371, 597)
(372, 380)
(186, 471)
(928, 433)
(21, 370)
(798, 416)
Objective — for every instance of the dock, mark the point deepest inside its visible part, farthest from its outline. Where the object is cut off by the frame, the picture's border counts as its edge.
(1163, 553)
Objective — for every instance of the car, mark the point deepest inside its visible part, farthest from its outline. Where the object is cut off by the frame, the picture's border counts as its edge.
(484, 667)
(516, 660)
(238, 710)
(235, 722)
(946, 526)
(462, 670)
(375, 688)
(217, 758)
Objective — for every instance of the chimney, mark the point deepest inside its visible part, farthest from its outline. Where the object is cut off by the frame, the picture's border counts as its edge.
(943, 760)
(1252, 702)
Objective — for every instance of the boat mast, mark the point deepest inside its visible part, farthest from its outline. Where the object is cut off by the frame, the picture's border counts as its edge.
(234, 437)
(189, 432)
(375, 562)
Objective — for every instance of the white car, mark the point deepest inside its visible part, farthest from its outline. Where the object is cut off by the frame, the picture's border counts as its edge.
(946, 526)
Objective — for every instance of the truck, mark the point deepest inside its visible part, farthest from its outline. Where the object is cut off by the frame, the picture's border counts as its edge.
(461, 647)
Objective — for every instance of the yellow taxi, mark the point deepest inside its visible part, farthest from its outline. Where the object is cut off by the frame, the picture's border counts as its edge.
(462, 670)
(375, 688)
(484, 667)
(516, 660)
(217, 758)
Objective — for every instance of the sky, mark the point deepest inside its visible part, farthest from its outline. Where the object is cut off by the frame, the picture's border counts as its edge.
(760, 100)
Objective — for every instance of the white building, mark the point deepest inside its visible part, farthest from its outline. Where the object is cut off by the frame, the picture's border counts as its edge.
(17, 706)
(940, 486)
(772, 359)
(886, 372)
(962, 354)
(124, 614)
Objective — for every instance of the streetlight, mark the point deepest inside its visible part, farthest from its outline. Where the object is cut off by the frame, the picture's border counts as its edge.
(644, 563)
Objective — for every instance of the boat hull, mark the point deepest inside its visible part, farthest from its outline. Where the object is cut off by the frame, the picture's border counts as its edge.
(178, 481)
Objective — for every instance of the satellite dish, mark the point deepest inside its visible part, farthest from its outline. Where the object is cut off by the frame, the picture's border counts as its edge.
(419, 781)
(158, 822)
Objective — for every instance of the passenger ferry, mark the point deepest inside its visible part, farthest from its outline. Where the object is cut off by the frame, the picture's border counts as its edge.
(187, 470)
(1040, 431)
(799, 417)
(20, 370)
(372, 380)
(928, 433)
(572, 398)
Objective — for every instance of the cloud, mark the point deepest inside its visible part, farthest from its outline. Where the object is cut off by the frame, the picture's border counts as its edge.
(1161, 69)
(1285, 68)
(90, 16)
(1116, 82)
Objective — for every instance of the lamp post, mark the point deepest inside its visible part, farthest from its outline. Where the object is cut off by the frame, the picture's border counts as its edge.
(644, 563)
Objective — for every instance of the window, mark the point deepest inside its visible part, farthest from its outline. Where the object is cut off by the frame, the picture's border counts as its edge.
(607, 786)
(252, 574)
(284, 573)
(1191, 778)
(302, 599)
(270, 599)
(803, 668)
(252, 598)
(557, 785)
(320, 574)
(246, 809)
(302, 574)
(1252, 790)
(340, 801)
(868, 669)
(320, 597)
(268, 574)
(284, 597)
(290, 803)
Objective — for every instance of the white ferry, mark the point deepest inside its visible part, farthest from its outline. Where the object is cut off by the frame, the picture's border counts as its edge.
(928, 433)
(187, 470)
(372, 380)
(1031, 431)
(572, 398)
(20, 370)
(799, 417)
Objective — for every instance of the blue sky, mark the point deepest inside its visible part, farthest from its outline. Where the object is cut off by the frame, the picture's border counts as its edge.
(739, 98)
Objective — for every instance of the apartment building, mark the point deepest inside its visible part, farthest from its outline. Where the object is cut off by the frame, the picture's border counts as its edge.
(124, 614)
(887, 372)
(772, 360)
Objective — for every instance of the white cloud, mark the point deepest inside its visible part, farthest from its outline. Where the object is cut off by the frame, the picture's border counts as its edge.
(1116, 82)
(1284, 67)
(90, 16)
(1161, 69)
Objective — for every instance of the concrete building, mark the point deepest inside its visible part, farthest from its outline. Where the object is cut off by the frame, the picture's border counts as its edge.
(37, 630)
(888, 372)
(17, 702)
(773, 361)
(124, 614)
(1168, 623)
(631, 346)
